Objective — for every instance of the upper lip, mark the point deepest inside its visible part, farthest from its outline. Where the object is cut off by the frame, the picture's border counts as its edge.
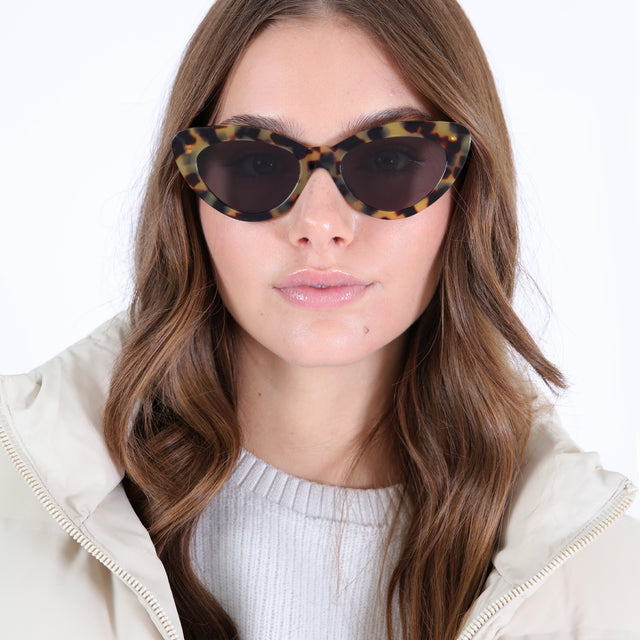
(317, 278)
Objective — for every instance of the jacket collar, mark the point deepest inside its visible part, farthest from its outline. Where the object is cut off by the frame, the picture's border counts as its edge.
(561, 492)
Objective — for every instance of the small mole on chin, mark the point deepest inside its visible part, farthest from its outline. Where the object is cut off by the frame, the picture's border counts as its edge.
(365, 329)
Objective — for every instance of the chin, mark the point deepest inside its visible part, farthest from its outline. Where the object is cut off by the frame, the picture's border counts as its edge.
(340, 351)
(326, 344)
(323, 354)
(325, 360)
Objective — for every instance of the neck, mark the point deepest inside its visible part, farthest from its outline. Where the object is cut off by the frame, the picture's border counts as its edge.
(313, 422)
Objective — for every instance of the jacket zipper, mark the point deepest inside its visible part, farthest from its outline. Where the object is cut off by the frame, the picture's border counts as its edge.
(619, 505)
(72, 530)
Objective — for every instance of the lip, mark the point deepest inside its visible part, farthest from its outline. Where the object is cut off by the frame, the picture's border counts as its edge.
(313, 289)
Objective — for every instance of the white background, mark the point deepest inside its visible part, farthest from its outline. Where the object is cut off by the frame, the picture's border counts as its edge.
(83, 86)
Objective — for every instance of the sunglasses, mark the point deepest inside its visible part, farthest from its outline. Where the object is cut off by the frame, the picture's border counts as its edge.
(391, 171)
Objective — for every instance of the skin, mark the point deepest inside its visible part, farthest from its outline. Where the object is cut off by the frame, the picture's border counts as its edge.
(313, 382)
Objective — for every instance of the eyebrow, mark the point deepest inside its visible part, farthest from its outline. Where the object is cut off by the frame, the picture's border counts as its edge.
(284, 127)
(289, 129)
(382, 117)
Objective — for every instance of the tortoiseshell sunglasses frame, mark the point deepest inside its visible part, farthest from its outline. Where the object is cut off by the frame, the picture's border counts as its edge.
(188, 144)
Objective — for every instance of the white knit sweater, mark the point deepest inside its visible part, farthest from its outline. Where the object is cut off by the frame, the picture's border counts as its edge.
(292, 559)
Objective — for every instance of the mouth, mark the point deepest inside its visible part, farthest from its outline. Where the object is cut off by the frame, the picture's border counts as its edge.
(312, 289)
(318, 279)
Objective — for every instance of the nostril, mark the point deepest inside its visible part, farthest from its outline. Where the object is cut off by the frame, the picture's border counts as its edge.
(304, 241)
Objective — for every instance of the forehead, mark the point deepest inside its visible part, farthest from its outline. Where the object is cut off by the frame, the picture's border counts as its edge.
(319, 76)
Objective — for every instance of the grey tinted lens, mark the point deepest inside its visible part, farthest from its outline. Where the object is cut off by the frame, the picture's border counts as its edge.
(250, 176)
(394, 173)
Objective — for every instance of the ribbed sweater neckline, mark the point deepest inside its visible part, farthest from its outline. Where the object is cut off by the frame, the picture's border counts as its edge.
(369, 507)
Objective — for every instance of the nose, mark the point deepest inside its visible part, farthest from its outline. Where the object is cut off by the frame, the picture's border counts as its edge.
(321, 218)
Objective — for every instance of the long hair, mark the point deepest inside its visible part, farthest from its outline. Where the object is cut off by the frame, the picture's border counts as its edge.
(462, 408)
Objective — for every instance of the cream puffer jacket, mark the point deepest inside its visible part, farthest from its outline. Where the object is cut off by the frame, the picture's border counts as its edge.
(76, 563)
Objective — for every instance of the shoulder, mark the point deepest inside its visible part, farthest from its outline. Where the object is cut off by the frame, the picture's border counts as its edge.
(51, 418)
(568, 562)
(594, 595)
(81, 371)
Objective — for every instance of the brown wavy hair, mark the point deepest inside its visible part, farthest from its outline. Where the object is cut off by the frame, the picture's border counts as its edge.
(463, 407)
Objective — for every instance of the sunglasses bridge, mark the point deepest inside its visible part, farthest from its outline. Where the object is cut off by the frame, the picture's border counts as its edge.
(326, 158)
(319, 158)
(322, 158)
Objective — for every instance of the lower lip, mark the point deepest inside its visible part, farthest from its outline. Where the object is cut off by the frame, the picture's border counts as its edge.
(323, 298)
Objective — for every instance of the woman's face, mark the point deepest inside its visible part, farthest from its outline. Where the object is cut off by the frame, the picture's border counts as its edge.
(323, 285)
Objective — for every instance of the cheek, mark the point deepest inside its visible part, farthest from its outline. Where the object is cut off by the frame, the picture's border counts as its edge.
(241, 253)
(417, 259)
(223, 234)
(227, 247)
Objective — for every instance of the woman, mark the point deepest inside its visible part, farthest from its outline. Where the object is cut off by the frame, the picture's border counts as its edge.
(316, 420)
